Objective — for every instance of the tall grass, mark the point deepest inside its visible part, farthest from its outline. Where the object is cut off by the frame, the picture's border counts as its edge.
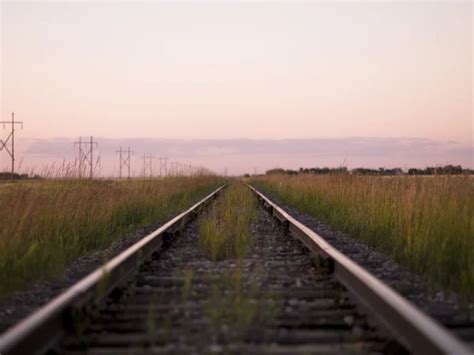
(225, 230)
(426, 223)
(47, 224)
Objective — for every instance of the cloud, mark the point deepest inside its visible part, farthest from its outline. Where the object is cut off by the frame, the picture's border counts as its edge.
(246, 155)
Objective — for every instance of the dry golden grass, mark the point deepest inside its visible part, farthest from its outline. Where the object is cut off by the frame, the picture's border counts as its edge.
(426, 223)
(47, 224)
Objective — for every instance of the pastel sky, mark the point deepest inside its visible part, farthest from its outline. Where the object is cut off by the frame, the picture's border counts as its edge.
(239, 70)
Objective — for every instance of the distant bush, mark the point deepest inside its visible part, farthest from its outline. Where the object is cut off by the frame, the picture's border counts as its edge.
(379, 171)
(12, 176)
(324, 170)
(276, 171)
(15, 176)
(442, 170)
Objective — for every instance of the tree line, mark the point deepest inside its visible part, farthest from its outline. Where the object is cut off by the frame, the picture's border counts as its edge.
(440, 170)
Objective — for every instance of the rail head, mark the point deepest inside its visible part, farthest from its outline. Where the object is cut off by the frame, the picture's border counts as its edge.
(37, 332)
(418, 332)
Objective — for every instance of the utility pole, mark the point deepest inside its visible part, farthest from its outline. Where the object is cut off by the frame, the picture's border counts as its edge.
(148, 165)
(3, 144)
(163, 166)
(86, 156)
(124, 160)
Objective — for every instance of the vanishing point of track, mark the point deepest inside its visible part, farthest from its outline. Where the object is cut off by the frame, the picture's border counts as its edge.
(326, 302)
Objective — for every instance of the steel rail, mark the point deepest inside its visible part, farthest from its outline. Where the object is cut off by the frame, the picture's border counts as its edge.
(415, 330)
(39, 331)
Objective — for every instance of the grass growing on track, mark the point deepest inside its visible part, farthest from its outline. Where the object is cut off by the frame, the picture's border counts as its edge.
(236, 304)
(225, 230)
(426, 223)
(47, 224)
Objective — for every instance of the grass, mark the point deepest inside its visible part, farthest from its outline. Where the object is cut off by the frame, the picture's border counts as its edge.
(225, 230)
(425, 223)
(47, 224)
(236, 305)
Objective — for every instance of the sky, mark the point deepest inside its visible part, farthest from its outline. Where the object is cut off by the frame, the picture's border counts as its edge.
(240, 156)
(226, 71)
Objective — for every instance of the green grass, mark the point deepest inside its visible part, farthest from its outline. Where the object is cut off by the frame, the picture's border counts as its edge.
(236, 305)
(425, 223)
(225, 230)
(47, 224)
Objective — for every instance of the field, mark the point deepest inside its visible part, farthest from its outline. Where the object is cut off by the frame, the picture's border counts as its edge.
(425, 223)
(47, 224)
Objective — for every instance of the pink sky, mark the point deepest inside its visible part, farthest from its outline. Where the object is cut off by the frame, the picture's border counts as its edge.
(247, 156)
(240, 70)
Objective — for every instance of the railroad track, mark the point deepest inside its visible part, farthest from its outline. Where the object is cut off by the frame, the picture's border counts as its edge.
(292, 293)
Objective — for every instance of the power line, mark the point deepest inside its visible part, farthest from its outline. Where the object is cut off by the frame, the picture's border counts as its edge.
(11, 137)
